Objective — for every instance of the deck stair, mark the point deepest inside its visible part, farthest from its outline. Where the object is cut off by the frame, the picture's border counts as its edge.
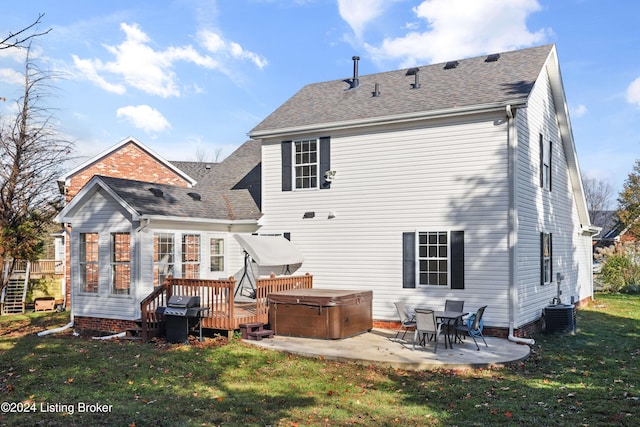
(254, 331)
(15, 294)
(134, 333)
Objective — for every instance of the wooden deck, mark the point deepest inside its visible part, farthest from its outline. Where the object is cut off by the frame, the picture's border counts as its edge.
(225, 312)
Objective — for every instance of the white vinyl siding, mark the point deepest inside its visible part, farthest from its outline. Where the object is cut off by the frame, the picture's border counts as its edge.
(441, 176)
(540, 210)
(102, 215)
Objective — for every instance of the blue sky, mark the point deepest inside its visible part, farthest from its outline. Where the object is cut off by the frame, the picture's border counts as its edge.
(190, 78)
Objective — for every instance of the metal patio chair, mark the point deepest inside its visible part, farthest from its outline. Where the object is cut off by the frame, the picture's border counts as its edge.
(474, 325)
(426, 325)
(454, 305)
(406, 320)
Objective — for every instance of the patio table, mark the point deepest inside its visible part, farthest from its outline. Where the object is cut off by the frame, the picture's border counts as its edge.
(449, 318)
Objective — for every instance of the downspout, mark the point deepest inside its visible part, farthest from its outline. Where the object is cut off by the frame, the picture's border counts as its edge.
(53, 331)
(513, 225)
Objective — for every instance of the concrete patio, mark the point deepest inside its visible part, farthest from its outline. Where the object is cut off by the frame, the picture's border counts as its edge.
(379, 347)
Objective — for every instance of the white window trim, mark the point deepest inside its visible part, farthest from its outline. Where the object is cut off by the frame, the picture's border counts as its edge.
(224, 255)
(295, 165)
(80, 285)
(112, 233)
(418, 258)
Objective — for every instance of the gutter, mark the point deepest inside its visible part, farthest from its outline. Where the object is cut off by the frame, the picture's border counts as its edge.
(513, 224)
(148, 218)
(401, 118)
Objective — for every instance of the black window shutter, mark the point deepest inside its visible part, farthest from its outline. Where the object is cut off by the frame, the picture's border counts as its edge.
(409, 260)
(550, 164)
(541, 162)
(457, 259)
(287, 167)
(550, 257)
(325, 160)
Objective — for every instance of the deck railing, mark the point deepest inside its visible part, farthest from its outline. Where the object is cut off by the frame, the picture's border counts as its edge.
(218, 295)
(42, 266)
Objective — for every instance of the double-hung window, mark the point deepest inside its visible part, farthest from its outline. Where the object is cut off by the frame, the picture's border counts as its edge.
(88, 261)
(120, 263)
(191, 256)
(217, 254)
(546, 261)
(306, 163)
(433, 258)
(163, 257)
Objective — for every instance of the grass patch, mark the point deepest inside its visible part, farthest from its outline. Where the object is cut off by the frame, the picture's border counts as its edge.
(590, 378)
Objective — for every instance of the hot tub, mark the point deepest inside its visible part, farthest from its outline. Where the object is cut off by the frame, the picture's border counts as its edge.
(320, 313)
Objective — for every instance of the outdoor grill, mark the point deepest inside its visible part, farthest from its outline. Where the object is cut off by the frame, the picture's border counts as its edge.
(181, 314)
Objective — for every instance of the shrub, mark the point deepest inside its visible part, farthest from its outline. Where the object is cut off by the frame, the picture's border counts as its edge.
(621, 271)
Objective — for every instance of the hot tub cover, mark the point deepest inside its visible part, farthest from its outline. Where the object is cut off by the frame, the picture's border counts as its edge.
(321, 297)
(270, 250)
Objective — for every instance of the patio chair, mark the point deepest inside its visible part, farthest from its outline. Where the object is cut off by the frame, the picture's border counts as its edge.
(474, 325)
(426, 325)
(454, 305)
(406, 320)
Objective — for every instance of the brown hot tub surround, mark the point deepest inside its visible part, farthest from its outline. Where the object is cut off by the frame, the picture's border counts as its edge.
(320, 313)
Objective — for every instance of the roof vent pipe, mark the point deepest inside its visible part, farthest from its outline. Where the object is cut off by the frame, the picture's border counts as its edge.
(376, 90)
(355, 82)
(414, 72)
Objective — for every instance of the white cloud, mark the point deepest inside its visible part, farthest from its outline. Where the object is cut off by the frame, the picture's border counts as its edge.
(579, 111)
(89, 69)
(7, 75)
(463, 28)
(633, 92)
(214, 43)
(358, 13)
(144, 117)
(137, 64)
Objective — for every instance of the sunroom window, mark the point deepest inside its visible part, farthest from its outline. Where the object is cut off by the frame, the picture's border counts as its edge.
(120, 263)
(88, 261)
(163, 257)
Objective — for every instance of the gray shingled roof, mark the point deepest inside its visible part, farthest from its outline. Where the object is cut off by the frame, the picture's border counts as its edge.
(474, 82)
(229, 190)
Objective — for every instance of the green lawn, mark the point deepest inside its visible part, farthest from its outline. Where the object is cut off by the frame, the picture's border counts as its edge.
(590, 378)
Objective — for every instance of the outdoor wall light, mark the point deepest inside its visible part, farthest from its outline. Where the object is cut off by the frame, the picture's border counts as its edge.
(332, 215)
(329, 176)
(308, 215)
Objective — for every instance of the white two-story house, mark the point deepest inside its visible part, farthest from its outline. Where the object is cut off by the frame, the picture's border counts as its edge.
(457, 180)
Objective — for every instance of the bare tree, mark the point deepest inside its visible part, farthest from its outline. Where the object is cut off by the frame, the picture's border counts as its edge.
(598, 193)
(202, 157)
(32, 153)
(20, 38)
(201, 154)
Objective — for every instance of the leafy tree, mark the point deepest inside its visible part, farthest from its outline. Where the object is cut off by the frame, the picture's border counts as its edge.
(628, 212)
(32, 153)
